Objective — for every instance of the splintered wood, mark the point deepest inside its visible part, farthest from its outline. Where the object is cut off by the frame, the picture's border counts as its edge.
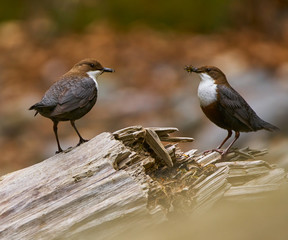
(153, 137)
(111, 183)
(191, 180)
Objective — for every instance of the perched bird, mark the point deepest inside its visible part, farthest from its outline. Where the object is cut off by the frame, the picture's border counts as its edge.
(224, 106)
(72, 96)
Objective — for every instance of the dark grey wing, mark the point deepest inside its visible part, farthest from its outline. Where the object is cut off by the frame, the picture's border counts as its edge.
(77, 93)
(235, 106)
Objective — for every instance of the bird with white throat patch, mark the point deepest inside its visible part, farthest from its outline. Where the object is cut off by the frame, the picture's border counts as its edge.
(224, 106)
(72, 96)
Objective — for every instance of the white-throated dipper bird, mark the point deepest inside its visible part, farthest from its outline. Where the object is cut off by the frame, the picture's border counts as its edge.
(72, 96)
(224, 106)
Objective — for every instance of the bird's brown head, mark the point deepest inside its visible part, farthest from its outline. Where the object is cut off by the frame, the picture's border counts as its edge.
(90, 65)
(209, 72)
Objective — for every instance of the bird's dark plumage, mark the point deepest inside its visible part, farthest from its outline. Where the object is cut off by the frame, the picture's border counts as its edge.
(237, 115)
(72, 96)
(65, 99)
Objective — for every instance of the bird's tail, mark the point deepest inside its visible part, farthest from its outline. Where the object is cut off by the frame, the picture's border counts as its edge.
(32, 107)
(35, 107)
(268, 126)
(41, 108)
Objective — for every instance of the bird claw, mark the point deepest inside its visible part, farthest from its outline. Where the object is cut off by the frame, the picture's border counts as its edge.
(221, 151)
(82, 140)
(59, 151)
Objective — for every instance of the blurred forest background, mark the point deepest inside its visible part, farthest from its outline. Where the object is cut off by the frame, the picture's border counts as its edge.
(148, 43)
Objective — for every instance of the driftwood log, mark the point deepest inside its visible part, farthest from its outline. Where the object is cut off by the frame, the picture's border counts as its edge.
(118, 181)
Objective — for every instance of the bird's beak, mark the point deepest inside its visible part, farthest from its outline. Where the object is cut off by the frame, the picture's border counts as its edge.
(108, 70)
(191, 69)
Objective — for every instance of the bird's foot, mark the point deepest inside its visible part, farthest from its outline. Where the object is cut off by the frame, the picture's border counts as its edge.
(82, 140)
(59, 151)
(221, 151)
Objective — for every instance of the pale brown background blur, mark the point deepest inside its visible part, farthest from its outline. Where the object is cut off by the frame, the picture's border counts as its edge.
(254, 219)
(148, 43)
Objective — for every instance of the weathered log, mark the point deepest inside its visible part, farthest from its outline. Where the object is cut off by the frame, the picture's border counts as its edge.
(119, 181)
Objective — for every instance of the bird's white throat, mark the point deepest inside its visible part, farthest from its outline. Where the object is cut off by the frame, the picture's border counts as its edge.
(94, 75)
(207, 90)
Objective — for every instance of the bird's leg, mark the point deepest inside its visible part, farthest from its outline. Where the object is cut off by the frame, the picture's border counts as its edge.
(237, 135)
(81, 140)
(218, 149)
(55, 123)
(225, 140)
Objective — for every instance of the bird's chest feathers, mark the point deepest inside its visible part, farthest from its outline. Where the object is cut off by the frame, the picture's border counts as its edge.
(207, 90)
(94, 75)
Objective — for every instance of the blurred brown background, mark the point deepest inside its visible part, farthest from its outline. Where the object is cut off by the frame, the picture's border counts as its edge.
(148, 43)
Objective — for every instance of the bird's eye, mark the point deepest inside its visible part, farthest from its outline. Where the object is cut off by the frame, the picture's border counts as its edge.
(92, 65)
(208, 69)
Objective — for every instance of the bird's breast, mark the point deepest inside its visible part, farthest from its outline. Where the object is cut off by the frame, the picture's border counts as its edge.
(207, 93)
